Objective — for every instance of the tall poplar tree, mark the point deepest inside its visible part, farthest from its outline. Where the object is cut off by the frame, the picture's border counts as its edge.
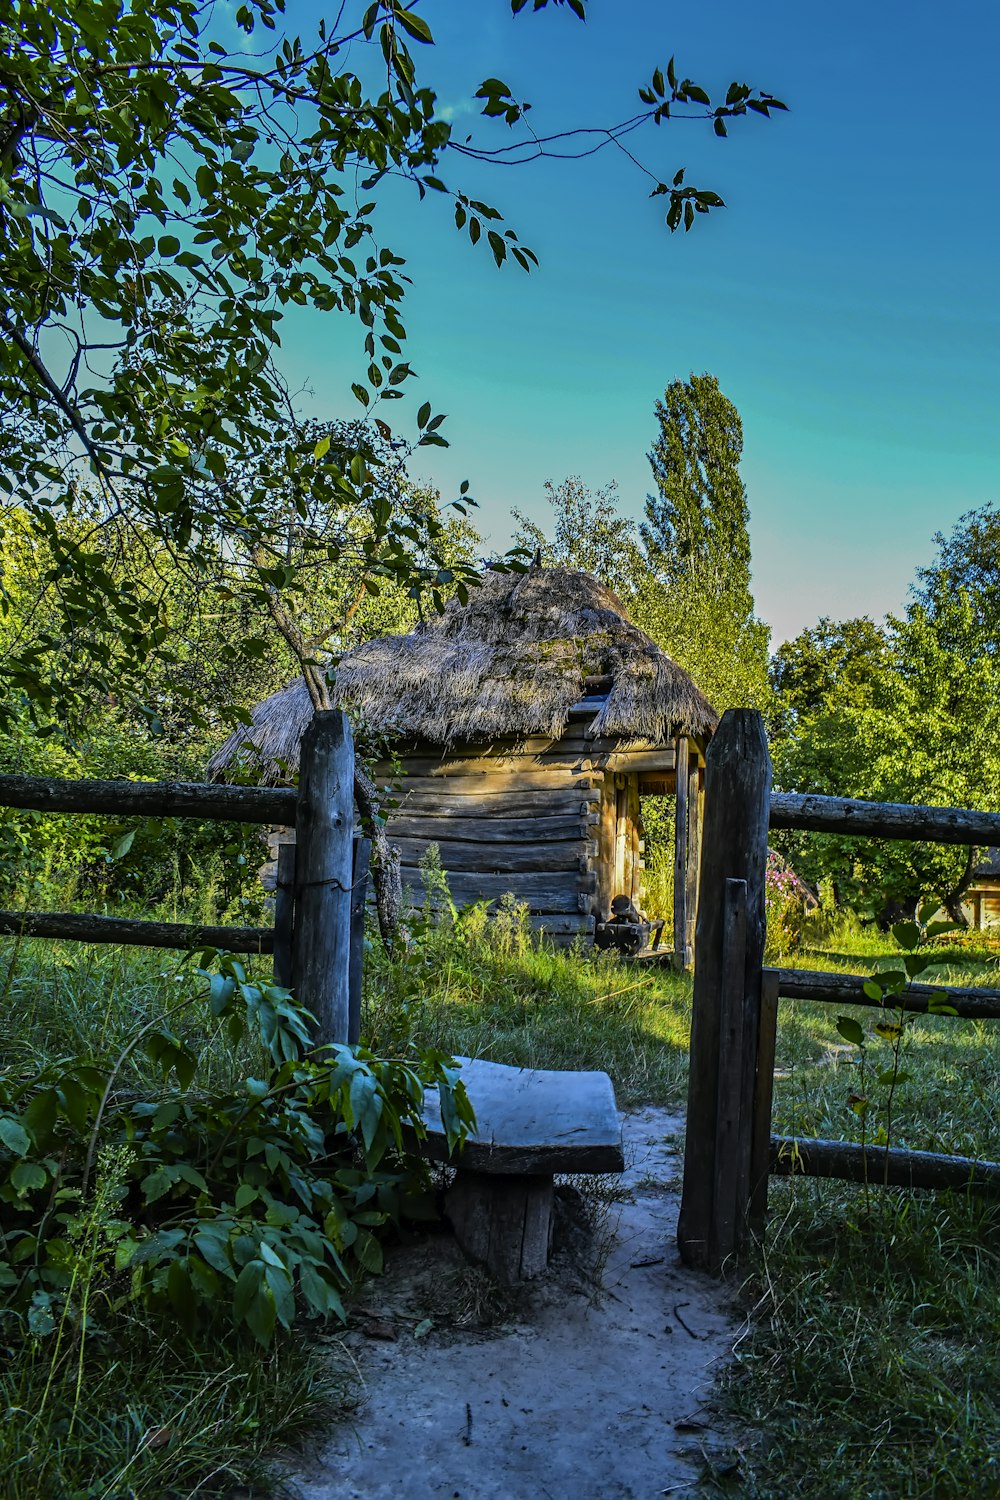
(700, 605)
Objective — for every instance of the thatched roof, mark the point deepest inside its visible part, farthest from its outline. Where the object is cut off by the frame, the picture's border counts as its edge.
(509, 664)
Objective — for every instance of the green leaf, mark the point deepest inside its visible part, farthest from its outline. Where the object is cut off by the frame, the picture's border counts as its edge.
(122, 846)
(415, 26)
(14, 1136)
(850, 1030)
(28, 1177)
(907, 935)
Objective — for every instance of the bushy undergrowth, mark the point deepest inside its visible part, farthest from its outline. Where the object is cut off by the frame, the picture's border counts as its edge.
(190, 1171)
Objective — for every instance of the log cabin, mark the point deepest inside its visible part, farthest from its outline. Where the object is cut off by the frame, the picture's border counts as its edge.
(525, 727)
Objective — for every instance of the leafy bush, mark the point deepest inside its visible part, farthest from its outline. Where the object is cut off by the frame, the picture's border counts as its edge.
(264, 1201)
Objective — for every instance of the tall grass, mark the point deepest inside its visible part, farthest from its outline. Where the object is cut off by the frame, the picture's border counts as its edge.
(109, 1404)
(870, 1367)
(481, 989)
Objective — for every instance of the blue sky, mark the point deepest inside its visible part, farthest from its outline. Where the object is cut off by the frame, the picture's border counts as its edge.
(846, 298)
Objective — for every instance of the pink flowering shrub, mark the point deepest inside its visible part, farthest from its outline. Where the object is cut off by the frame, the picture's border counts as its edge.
(784, 907)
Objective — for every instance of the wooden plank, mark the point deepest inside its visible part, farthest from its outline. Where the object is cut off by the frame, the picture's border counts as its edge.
(734, 846)
(360, 862)
(442, 801)
(886, 820)
(151, 799)
(494, 782)
(694, 813)
(728, 1142)
(552, 893)
(490, 830)
(284, 916)
(849, 1162)
(580, 925)
(499, 858)
(681, 854)
(848, 989)
(639, 760)
(324, 841)
(531, 1120)
(89, 927)
(502, 1223)
(763, 1101)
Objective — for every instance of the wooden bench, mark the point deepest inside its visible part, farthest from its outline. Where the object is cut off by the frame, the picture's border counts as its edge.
(530, 1124)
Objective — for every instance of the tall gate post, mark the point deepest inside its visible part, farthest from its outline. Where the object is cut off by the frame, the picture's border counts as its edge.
(729, 954)
(324, 837)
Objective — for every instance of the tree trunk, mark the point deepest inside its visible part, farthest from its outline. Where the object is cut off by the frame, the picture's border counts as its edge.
(953, 900)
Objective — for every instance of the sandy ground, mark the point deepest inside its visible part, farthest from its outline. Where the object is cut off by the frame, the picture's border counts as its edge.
(595, 1384)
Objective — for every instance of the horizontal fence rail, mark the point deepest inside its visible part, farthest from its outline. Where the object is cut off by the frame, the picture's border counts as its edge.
(883, 820)
(153, 799)
(849, 1162)
(848, 989)
(318, 937)
(90, 927)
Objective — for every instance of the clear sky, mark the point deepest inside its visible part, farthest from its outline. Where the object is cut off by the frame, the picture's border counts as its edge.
(847, 298)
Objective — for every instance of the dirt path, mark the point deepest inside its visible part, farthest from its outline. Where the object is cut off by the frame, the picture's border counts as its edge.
(579, 1393)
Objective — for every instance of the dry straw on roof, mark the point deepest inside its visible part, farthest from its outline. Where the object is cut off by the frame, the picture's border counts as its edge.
(509, 664)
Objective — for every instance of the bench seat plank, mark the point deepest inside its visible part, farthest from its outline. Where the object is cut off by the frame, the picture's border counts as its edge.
(532, 1120)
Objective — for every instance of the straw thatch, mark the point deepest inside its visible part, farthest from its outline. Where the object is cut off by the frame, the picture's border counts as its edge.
(509, 664)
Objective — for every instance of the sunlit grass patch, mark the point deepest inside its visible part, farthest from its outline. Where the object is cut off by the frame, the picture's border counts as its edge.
(531, 1005)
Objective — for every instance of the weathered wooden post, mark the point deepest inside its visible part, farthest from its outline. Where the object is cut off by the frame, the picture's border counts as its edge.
(362, 854)
(680, 851)
(324, 829)
(284, 916)
(715, 1199)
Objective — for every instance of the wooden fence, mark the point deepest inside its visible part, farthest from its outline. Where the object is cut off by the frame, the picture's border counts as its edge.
(318, 933)
(730, 1152)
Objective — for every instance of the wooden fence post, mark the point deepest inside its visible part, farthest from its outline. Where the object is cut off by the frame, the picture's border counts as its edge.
(763, 1098)
(680, 852)
(734, 847)
(284, 916)
(324, 828)
(359, 893)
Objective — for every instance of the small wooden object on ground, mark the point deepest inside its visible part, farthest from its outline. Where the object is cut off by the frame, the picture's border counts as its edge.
(530, 1124)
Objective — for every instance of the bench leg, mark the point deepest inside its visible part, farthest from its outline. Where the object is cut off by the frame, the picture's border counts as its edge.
(503, 1222)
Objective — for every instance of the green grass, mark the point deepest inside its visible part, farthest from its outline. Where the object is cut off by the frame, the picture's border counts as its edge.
(501, 997)
(871, 1367)
(134, 1408)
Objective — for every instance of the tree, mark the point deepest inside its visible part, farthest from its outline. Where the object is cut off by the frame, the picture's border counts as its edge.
(905, 712)
(698, 546)
(163, 198)
(589, 533)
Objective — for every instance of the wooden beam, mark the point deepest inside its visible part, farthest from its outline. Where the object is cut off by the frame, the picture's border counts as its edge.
(493, 830)
(151, 799)
(681, 854)
(848, 989)
(89, 927)
(731, 1141)
(360, 862)
(324, 842)
(763, 1101)
(734, 847)
(897, 1168)
(284, 916)
(886, 820)
(694, 801)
